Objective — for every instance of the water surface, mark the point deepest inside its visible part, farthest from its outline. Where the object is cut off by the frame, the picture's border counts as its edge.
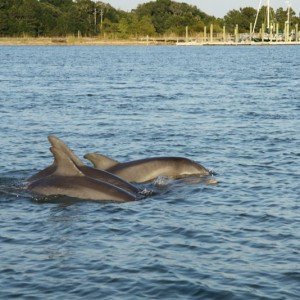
(236, 110)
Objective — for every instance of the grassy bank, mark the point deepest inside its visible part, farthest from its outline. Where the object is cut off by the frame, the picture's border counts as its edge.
(46, 41)
(85, 41)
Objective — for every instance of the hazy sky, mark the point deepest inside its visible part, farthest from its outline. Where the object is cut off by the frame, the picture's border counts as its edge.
(217, 8)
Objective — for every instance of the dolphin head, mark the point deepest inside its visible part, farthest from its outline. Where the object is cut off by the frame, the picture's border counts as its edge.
(201, 170)
(190, 167)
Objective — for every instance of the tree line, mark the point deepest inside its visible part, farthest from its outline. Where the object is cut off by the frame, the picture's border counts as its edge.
(89, 18)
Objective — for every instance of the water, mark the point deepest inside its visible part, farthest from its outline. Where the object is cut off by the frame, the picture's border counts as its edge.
(233, 109)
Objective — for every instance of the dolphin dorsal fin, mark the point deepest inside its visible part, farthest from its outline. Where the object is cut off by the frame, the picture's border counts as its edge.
(64, 165)
(57, 143)
(101, 161)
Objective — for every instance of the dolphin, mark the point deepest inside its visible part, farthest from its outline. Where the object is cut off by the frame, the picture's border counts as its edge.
(145, 170)
(68, 180)
(86, 170)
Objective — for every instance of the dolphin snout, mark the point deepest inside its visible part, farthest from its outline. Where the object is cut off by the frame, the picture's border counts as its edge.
(211, 181)
(212, 173)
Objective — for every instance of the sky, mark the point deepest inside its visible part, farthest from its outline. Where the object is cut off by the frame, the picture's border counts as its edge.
(217, 8)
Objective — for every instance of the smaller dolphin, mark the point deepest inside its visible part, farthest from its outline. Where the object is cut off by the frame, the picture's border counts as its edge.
(86, 170)
(145, 170)
(68, 180)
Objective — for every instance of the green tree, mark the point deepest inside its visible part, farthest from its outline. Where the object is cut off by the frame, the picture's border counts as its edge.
(123, 27)
(4, 17)
(242, 17)
(146, 26)
(58, 3)
(84, 17)
(172, 17)
(47, 19)
(23, 18)
(109, 28)
(63, 17)
(281, 16)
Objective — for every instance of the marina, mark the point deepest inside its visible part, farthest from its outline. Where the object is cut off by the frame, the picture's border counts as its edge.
(268, 34)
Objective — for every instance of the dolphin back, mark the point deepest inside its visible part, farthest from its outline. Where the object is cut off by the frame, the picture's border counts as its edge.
(79, 187)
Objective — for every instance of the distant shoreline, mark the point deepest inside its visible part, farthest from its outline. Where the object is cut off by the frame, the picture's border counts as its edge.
(88, 41)
(68, 41)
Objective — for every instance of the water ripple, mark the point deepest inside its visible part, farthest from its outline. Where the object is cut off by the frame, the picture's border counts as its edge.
(235, 240)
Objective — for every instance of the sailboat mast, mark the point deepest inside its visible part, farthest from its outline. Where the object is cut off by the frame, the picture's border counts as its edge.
(268, 15)
(287, 26)
(259, 5)
(288, 12)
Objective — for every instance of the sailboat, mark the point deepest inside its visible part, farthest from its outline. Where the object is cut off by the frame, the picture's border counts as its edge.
(267, 34)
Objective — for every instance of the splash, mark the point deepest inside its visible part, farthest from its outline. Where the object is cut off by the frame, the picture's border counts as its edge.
(162, 181)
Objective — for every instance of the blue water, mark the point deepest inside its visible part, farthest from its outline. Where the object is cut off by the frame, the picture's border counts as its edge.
(236, 110)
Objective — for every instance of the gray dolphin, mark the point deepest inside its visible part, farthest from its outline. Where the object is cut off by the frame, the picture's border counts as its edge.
(86, 170)
(68, 180)
(145, 170)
